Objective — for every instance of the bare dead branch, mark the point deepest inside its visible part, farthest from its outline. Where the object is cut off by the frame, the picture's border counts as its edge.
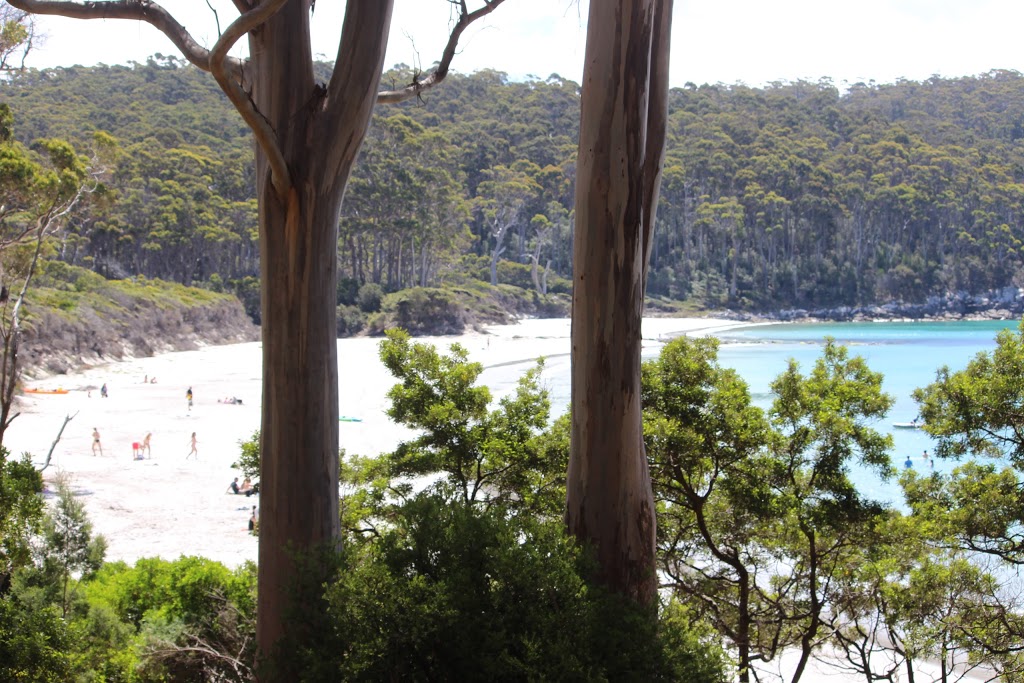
(139, 10)
(67, 418)
(216, 18)
(265, 136)
(439, 72)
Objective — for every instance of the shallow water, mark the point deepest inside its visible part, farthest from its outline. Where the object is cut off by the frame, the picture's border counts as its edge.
(906, 353)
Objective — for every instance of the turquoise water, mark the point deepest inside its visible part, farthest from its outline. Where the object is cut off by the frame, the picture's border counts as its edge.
(906, 353)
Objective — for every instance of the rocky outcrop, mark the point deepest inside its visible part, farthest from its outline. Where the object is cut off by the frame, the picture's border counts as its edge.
(55, 342)
(1002, 304)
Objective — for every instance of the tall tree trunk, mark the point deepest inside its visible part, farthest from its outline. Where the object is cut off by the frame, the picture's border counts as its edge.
(610, 503)
(319, 141)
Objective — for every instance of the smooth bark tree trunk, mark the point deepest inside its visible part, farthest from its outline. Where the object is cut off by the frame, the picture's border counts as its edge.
(610, 504)
(298, 246)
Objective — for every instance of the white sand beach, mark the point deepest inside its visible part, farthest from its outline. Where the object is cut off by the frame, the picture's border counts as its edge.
(167, 505)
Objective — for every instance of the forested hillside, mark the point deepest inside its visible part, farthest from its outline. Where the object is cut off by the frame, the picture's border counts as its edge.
(794, 195)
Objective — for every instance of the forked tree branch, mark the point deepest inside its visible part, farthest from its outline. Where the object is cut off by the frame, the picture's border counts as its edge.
(139, 10)
(441, 70)
(265, 136)
(49, 456)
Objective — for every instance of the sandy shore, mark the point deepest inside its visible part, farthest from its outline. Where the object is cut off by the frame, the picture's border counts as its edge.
(167, 505)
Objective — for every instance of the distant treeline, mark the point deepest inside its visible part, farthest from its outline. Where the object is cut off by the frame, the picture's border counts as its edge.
(793, 195)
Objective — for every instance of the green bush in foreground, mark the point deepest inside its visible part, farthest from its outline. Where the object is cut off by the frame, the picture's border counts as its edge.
(455, 592)
(456, 564)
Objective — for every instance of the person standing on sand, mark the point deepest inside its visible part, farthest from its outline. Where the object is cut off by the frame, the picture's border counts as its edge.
(188, 395)
(103, 390)
(145, 445)
(194, 451)
(96, 441)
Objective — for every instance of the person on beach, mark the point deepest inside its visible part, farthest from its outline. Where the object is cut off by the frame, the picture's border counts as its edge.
(188, 395)
(145, 445)
(246, 487)
(233, 487)
(254, 520)
(195, 450)
(103, 390)
(96, 441)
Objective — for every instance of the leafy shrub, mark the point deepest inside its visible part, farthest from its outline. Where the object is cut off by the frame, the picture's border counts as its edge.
(462, 593)
(34, 644)
(249, 456)
(351, 321)
(348, 291)
(370, 297)
(515, 274)
(426, 310)
(247, 290)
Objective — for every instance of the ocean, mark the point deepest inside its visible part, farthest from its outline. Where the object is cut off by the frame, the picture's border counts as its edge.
(906, 353)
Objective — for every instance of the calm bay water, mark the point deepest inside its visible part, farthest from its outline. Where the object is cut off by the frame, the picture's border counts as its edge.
(906, 353)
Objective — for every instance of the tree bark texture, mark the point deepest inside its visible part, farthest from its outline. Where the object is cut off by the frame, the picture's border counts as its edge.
(610, 504)
(319, 130)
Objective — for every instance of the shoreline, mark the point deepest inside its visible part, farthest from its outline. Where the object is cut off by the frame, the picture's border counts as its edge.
(168, 506)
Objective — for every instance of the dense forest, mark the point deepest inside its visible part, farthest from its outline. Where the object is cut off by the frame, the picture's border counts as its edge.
(792, 195)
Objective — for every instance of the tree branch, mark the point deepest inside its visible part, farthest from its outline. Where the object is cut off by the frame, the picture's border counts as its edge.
(139, 10)
(441, 70)
(265, 136)
(67, 418)
(216, 17)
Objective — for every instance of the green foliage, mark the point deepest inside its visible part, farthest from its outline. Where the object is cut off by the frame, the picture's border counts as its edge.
(370, 297)
(34, 644)
(6, 123)
(21, 512)
(792, 195)
(979, 507)
(477, 454)
(247, 289)
(351, 320)
(423, 310)
(741, 493)
(191, 619)
(467, 593)
(348, 291)
(249, 456)
(977, 410)
(68, 553)
(457, 564)
(33, 639)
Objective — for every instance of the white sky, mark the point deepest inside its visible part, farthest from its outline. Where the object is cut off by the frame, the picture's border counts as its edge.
(727, 41)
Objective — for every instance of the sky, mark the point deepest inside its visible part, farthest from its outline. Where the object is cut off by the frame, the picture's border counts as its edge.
(755, 42)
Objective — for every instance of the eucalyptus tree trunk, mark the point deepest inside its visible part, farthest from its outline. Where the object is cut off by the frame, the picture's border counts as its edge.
(610, 503)
(318, 141)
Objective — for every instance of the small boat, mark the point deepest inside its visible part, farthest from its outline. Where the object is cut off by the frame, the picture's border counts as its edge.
(346, 418)
(46, 391)
(908, 425)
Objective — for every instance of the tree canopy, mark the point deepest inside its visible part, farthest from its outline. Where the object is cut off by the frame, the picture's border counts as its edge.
(791, 195)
